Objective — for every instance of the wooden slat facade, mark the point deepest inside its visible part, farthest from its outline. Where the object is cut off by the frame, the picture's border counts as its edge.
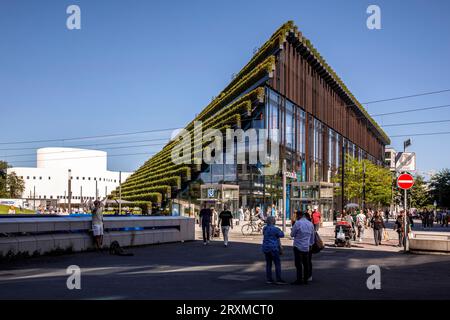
(296, 78)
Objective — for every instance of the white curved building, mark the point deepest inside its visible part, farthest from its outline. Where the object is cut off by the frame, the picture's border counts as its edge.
(48, 183)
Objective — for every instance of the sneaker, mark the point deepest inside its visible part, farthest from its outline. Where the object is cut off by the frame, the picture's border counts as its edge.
(269, 282)
(225, 245)
(280, 282)
(310, 278)
(204, 243)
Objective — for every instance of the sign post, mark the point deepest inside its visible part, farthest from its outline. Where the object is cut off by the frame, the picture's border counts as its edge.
(405, 181)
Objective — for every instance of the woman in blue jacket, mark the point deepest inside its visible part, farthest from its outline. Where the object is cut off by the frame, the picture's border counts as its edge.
(271, 247)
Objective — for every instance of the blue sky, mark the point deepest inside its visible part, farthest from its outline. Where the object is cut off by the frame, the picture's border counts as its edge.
(143, 65)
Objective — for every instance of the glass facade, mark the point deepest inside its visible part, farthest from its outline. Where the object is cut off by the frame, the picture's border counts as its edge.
(311, 149)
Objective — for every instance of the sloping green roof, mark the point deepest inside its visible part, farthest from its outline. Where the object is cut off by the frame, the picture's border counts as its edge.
(156, 178)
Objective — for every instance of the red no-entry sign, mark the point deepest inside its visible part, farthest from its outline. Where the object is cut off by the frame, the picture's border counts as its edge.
(405, 181)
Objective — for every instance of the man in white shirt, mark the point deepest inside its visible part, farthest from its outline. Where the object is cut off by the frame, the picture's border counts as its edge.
(361, 220)
(304, 236)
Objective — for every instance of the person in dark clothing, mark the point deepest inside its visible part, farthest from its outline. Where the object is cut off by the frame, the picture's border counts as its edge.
(386, 215)
(400, 228)
(205, 223)
(425, 217)
(378, 226)
(410, 220)
(226, 222)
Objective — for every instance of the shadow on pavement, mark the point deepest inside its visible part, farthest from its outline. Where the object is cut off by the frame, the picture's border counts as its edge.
(191, 270)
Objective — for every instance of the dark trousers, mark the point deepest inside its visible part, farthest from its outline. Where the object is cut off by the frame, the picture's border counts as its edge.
(377, 235)
(310, 263)
(206, 230)
(302, 264)
(401, 241)
(273, 256)
(317, 226)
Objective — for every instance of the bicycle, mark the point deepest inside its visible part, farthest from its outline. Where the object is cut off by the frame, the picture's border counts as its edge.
(252, 227)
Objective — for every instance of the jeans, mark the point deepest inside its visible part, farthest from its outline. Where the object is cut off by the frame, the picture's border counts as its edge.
(303, 264)
(377, 235)
(206, 230)
(273, 256)
(225, 230)
(360, 232)
(316, 226)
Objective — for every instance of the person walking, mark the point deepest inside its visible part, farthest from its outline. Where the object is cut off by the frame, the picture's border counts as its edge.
(247, 214)
(241, 216)
(271, 247)
(431, 219)
(445, 218)
(361, 221)
(425, 217)
(378, 226)
(316, 218)
(225, 223)
(205, 223)
(386, 215)
(399, 227)
(303, 234)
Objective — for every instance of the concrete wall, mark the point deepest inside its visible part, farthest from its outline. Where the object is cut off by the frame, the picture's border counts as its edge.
(48, 234)
(429, 242)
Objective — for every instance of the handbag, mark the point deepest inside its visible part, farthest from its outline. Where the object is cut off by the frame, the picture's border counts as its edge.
(318, 244)
(385, 235)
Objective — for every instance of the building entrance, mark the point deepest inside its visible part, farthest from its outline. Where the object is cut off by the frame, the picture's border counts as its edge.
(217, 195)
(307, 195)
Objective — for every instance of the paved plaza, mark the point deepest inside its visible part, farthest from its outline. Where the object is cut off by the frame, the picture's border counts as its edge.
(191, 270)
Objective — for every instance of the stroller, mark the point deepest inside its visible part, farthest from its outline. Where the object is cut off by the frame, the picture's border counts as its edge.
(343, 234)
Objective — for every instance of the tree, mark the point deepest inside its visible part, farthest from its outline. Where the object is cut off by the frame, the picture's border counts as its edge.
(440, 188)
(15, 185)
(376, 179)
(3, 167)
(418, 194)
(378, 184)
